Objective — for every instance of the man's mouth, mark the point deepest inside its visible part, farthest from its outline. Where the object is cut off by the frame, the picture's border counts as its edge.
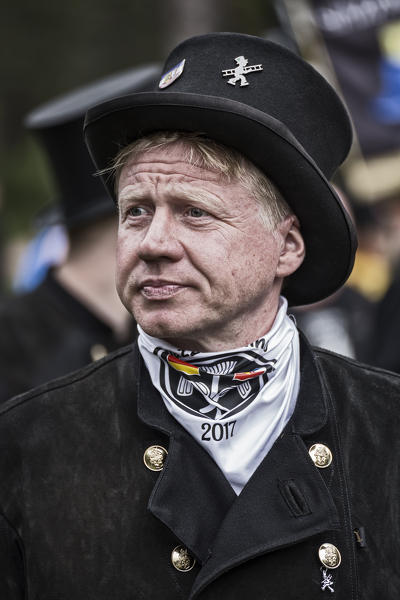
(160, 290)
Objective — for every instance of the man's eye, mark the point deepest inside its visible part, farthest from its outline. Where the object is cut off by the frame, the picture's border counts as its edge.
(196, 212)
(136, 211)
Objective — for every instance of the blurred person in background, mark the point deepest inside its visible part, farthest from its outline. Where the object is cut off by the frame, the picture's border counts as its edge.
(47, 248)
(74, 315)
(342, 322)
(384, 347)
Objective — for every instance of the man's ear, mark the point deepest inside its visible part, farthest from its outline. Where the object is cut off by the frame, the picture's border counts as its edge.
(293, 248)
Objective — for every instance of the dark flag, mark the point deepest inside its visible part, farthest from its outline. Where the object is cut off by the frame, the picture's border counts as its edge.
(362, 40)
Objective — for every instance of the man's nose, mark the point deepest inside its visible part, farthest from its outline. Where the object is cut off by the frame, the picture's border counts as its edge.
(160, 239)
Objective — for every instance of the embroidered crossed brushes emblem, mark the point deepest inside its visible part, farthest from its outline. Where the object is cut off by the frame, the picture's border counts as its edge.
(240, 71)
(327, 581)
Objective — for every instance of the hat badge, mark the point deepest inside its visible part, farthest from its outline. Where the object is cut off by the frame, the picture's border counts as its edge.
(172, 75)
(240, 71)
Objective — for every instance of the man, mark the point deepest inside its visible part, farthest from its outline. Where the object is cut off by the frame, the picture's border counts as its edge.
(221, 457)
(74, 316)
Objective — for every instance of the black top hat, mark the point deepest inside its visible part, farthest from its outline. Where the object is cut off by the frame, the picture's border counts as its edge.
(273, 107)
(59, 126)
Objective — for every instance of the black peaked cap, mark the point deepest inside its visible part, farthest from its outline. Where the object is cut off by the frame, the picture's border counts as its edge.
(283, 116)
(58, 124)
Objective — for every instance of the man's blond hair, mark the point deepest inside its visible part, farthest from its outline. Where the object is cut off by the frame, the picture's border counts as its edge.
(206, 153)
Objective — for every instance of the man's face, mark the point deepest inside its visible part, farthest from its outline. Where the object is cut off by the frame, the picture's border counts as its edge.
(195, 265)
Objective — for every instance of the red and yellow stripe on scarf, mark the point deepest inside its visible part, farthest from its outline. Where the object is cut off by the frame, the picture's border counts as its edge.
(180, 365)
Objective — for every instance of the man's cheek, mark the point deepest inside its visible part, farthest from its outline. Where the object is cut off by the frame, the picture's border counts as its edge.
(121, 278)
(124, 259)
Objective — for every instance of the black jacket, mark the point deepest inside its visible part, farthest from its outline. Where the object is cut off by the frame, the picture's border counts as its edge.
(384, 348)
(84, 519)
(47, 333)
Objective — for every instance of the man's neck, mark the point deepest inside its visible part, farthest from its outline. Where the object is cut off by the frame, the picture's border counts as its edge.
(89, 275)
(94, 287)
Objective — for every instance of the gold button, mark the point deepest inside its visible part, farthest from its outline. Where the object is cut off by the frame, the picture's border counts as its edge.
(321, 455)
(154, 458)
(98, 351)
(329, 555)
(181, 559)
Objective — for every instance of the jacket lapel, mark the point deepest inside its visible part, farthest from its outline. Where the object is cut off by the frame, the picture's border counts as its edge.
(191, 495)
(284, 502)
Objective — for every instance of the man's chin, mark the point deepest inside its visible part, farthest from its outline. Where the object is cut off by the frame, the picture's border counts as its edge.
(163, 330)
(180, 337)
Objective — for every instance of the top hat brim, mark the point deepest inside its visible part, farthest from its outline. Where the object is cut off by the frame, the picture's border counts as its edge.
(325, 224)
(52, 214)
(100, 208)
(80, 197)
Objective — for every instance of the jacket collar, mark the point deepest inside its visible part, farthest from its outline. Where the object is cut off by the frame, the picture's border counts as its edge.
(284, 502)
(311, 412)
(191, 495)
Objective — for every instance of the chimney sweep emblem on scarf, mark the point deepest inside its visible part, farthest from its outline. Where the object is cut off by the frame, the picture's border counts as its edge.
(216, 388)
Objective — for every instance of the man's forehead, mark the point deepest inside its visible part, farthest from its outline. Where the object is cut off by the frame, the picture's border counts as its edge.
(174, 158)
(169, 170)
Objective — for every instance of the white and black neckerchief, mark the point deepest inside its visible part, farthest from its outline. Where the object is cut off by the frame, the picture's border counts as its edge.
(234, 403)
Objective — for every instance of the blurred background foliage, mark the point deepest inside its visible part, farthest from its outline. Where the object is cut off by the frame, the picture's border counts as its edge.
(49, 48)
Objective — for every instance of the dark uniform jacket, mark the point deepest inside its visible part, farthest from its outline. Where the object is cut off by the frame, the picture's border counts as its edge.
(47, 333)
(84, 519)
(384, 347)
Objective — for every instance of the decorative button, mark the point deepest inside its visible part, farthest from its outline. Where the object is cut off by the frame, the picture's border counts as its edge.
(329, 555)
(321, 455)
(181, 559)
(154, 458)
(98, 351)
